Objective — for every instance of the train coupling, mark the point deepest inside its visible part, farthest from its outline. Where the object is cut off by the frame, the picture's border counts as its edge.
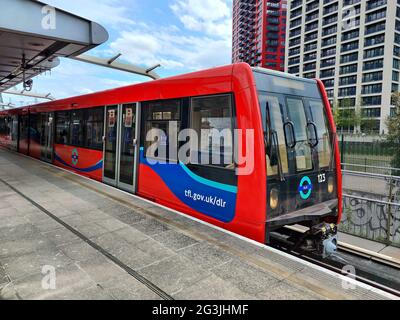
(320, 240)
(326, 239)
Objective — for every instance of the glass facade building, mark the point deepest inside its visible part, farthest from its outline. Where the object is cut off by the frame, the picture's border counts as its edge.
(354, 47)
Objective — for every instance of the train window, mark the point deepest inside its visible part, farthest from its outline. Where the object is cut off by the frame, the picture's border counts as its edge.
(212, 119)
(273, 116)
(3, 126)
(77, 128)
(158, 115)
(63, 120)
(24, 127)
(94, 128)
(297, 115)
(35, 132)
(14, 131)
(324, 146)
(9, 126)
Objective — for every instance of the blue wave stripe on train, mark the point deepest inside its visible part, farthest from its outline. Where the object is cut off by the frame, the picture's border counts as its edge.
(208, 197)
(97, 166)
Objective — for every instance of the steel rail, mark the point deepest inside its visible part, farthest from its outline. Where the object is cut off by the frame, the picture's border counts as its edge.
(381, 258)
(365, 253)
(346, 273)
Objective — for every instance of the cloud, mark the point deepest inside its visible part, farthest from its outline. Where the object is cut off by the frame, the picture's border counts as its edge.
(182, 35)
(172, 49)
(108, 12)
(204, 41)
(212, 17)
(112, 83)
(74, 78)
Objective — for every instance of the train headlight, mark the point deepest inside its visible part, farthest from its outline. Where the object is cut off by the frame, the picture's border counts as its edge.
(331, 185)
(274, 199)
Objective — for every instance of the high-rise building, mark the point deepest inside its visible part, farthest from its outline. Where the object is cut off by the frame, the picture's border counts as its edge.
(259, 28)
(354, 47)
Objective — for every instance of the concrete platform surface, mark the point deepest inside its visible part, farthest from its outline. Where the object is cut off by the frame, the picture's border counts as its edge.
(65, 237)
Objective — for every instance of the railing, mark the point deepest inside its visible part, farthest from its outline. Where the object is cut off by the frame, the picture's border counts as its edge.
(371, 219)
(371, 205)
(365, 168)
(371, 186)
(366, 153)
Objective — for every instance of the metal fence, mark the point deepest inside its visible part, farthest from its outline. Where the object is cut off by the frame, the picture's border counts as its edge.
(366, 153)
(359, 145)
(371, 188)
(383, 168)
(372, 205)
(369, 165)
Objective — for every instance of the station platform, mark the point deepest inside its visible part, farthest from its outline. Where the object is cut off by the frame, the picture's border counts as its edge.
(106, 244)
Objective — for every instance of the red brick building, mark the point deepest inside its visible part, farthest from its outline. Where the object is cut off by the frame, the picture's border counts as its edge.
(259, 33)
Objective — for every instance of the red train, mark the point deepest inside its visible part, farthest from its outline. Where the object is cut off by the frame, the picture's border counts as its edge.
(295, 176)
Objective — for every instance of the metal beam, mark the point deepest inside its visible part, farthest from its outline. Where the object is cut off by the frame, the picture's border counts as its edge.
(113, 64)
(30, 94)
(41, 20)
(34, 35)
(5, 106)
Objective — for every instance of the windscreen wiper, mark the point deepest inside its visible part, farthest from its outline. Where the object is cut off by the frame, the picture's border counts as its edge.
(278, 154)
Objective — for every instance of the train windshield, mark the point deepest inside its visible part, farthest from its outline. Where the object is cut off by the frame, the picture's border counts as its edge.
(297, 134)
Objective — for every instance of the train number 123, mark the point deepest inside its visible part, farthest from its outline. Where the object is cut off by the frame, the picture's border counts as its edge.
(322, 178)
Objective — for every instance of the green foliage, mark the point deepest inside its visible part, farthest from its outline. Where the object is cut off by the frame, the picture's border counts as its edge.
(347, 117)
(393, 137)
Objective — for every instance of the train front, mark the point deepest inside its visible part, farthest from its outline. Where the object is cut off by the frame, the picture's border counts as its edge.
(303, 163)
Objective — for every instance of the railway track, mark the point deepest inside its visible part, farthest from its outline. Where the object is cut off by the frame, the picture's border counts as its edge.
(377, 257)
(374, 269)
(339, 267)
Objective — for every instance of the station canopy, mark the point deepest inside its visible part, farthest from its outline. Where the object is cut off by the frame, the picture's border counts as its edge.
(33, 36)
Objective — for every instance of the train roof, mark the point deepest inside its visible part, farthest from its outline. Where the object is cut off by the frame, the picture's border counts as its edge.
(281, 74)
(108, 97)
(218, 71)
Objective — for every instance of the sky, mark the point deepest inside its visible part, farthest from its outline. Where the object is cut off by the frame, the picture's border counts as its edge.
(182, 35)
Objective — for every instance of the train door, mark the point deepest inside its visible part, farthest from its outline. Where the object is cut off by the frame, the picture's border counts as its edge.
(23, 146)
(46, 136)
(292, 160)
(120, 146)
(14, 130)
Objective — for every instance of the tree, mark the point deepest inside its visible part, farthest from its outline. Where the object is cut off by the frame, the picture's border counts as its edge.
(346, 117)
(337, 114)
(393, 136)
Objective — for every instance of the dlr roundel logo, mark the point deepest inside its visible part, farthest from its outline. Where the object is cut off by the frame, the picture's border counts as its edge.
(305, 188)
(75, 157)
